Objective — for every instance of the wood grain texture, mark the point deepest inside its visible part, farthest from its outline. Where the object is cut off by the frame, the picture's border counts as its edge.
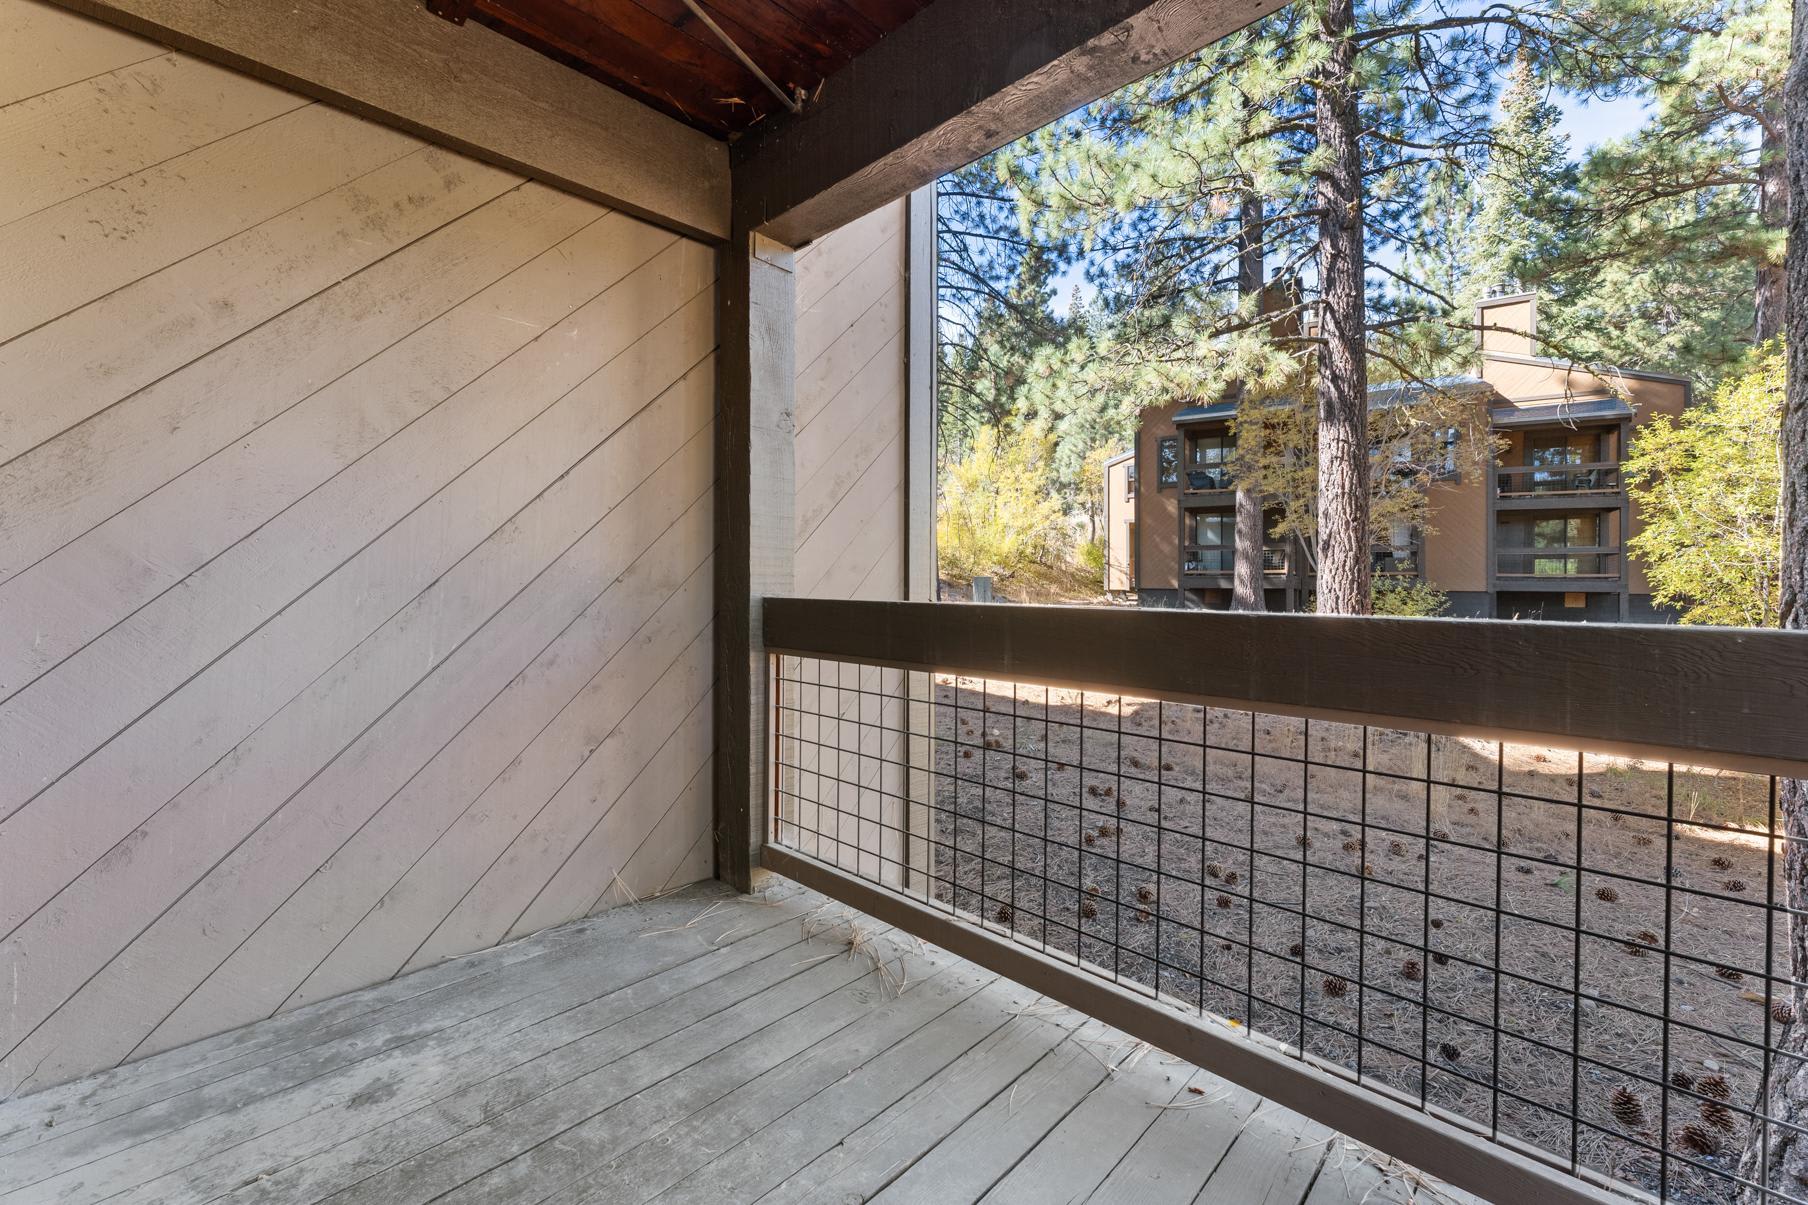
(848, 465)
(72, 253)
(696, 1048)
(43, 48)
(955, 1168)
(357, 497)
(276, 291)
(852, 297)
(94, 132)
(1735, 698)
(755, 499)
(957, 81)
(658, 51)
(464, 87)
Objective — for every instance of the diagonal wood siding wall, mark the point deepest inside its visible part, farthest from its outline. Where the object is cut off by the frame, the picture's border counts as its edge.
(851, 459)
(852, 294)
(355, 535)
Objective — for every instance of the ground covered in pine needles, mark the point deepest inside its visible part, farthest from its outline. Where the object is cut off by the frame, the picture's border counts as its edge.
(1235, 862)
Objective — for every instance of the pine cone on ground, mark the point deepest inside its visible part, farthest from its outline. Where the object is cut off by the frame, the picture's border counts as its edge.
(1696, 1139)
(1717, 1115)
(1628, 1108)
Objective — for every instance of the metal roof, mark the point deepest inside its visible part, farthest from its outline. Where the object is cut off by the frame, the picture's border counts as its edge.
(1200, 414)
(1569, 410)
(1387, 394)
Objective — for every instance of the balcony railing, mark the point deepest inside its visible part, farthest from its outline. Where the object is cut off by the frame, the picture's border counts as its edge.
(1218, 561)
(1601, 477)
(1357, 866)
(1570, 561)
(1207, 560)
(1390, 563)
(1209, 480)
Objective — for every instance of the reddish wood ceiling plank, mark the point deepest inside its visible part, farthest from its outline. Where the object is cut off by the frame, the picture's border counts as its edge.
(776, 57)
(824, 44)
(626, 40)
(617, 81)
(643, 72)
(660, 52)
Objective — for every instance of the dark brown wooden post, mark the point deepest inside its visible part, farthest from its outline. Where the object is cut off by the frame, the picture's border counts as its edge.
(756, 317)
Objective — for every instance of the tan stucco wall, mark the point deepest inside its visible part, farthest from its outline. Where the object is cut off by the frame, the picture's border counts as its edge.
(1158, 510)
(1456, 545)
(355, 552)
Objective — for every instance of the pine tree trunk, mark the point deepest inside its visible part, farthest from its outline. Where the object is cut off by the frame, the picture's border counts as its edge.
(1781, 1156)
(1773, 211)
(1246, 581)
(1343, 436)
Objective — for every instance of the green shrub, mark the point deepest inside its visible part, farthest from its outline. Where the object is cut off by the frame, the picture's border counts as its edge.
(1091, 556)
(999, 513)
(1407, 598)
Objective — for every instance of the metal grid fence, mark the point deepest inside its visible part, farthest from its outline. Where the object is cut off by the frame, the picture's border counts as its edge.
(1579, 955)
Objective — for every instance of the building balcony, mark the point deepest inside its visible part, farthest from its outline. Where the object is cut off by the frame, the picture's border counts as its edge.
(1208, 481)
(1563, 568)
(1565, 487)
(1218, 564)
(1354, 865)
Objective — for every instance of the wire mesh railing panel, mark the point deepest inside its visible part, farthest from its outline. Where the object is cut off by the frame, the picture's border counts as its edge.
(1581, 955)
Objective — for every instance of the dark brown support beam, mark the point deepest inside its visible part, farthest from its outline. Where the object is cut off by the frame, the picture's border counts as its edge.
(462, 86)
(957, 80)
(755, 529)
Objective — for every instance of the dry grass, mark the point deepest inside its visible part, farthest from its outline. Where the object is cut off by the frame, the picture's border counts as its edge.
(1177, 847)
(858, 939)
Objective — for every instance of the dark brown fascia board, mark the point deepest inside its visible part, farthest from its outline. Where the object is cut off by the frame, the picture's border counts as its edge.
(959, 79)
(464, 87)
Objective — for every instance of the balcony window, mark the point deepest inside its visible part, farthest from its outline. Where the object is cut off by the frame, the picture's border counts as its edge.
(1167, 462)
(1399, 556)
(1542, 546)
(1208, 459)
(1564, 462)
(1211, 542)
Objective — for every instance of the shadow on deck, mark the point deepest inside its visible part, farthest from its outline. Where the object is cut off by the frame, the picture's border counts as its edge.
(700, 1047)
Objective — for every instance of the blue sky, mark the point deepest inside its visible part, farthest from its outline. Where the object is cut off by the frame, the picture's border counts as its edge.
(1587, 123)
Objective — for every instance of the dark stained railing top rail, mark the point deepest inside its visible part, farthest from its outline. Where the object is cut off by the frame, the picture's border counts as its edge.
(1732, 698)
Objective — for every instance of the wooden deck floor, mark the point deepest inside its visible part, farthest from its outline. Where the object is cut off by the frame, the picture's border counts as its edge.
(695, 1048)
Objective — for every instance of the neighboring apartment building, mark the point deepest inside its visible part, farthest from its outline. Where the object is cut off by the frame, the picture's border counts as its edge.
(1543, 536)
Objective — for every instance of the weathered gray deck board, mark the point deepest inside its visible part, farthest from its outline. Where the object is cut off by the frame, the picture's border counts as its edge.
(1274, 1161)
(1076, 1156)
(1176, 1155)
(698, 1048)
